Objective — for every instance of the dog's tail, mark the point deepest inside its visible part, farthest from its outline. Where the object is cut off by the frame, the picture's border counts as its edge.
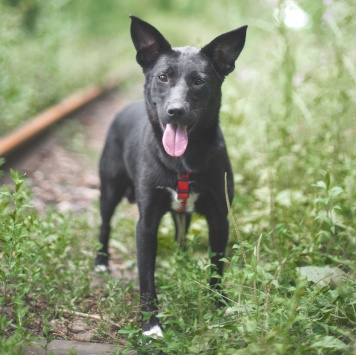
(181, 222)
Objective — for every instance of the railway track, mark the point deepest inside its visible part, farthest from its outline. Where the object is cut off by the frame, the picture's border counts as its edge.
(58, 150)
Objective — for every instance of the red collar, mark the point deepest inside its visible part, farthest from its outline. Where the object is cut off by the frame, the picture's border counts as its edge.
(183, 190)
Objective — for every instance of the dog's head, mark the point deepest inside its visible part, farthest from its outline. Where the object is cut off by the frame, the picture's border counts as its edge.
(183, 85)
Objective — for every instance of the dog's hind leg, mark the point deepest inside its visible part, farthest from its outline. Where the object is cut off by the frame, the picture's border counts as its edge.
(181, 223)
(112, 191)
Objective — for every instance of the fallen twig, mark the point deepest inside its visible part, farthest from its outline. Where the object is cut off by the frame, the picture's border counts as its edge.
(91, 316)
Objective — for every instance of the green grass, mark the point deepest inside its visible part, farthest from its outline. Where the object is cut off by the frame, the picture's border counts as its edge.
(289, 120)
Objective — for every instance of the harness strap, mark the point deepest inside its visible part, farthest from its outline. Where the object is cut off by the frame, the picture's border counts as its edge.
(183, 190)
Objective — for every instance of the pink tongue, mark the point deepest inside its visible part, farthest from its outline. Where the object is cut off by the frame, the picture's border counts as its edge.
(175, 139)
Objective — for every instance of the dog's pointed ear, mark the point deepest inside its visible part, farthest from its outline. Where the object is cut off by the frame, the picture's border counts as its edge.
(148, 41)
(225, 49)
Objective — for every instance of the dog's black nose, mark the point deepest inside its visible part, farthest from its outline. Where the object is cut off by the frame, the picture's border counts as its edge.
(176, 111)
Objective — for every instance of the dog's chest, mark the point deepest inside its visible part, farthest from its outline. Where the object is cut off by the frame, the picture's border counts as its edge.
(182, 205)
(184, 196)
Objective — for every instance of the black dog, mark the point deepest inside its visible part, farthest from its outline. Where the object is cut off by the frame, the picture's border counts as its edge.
(168, 151)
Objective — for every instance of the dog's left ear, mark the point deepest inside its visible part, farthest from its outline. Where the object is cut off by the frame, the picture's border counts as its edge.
(148, 41)
(225, 49)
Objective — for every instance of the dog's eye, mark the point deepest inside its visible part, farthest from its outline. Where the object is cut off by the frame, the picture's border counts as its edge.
(163, 77)
(199, 81)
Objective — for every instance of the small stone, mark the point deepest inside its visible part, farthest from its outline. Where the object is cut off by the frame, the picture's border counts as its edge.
(78, 326)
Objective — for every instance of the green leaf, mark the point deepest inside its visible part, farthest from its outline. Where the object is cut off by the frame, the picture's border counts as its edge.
(335, 191)
(321, 184)
(329, 342)
(224, 260)
(321, 275)
(323, 201)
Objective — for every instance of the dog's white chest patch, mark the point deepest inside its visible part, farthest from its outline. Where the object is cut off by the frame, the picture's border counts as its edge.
(176, 203)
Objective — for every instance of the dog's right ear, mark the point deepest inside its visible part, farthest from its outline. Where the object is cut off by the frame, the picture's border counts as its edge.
(148, 41)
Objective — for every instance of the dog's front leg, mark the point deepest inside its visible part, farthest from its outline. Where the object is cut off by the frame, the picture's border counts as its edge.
(146, 245)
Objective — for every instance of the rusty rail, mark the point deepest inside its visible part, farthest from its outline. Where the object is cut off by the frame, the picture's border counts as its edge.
(53, 114)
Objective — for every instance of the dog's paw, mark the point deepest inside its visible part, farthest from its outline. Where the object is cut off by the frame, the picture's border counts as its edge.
(155, 332)
(101, 268)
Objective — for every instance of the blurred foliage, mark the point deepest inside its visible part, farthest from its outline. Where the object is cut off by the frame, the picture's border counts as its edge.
(48, 49)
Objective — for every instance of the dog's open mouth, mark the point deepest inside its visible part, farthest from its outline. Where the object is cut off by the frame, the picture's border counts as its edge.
(175, 139)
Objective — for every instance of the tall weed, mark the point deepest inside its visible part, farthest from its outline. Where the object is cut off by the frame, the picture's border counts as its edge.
(43, 265)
